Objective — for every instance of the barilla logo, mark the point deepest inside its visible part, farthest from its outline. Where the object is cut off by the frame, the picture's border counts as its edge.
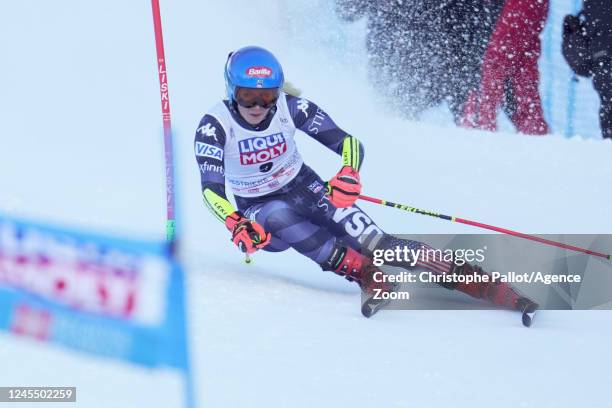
(206, 150)
(259, 72)
(261, 149)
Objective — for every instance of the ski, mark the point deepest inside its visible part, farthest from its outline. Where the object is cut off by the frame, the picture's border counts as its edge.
(528, 309)
(371, 306)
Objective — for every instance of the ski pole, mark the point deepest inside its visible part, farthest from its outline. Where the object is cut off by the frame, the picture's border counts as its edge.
(484, 226)
(167, 125)
(247, 258)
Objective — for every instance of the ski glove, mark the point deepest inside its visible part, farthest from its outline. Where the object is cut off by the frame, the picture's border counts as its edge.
(344, 188)
(248, 235)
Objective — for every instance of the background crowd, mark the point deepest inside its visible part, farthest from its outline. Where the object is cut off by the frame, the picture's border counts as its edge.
(479, 56)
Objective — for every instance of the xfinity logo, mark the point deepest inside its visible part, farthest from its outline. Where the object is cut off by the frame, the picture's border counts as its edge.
(206, 150)
(259, 72)
(204, 167)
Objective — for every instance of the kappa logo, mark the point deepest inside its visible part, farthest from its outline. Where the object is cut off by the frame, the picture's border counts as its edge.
(259, 72)
(207, 150)
(208, 130)
(251, 213)
(302, 105)
(357, 224)
(261, 149)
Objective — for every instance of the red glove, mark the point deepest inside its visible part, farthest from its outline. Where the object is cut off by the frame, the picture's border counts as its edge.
(344, 188)
(248, 235)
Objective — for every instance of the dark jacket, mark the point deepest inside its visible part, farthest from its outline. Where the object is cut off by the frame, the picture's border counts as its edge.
(598, 18)
(576, 45)
(587, 36)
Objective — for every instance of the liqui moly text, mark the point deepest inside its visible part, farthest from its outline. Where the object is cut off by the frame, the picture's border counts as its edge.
(261, 149)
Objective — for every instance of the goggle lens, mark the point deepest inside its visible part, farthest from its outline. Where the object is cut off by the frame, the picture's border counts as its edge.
(249, 97)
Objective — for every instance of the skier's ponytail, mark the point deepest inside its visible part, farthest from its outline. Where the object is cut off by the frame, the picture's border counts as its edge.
(290, 89)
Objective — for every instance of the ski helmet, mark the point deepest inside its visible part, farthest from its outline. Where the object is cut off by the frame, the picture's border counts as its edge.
(252, 67)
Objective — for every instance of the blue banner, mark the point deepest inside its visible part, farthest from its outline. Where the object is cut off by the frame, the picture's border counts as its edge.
(112, 297)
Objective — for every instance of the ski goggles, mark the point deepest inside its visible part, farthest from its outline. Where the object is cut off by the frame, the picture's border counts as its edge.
(249, 97)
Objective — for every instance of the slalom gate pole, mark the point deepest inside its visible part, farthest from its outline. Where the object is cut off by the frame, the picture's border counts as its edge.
(190, 398)
(484, 226)
(165, 103)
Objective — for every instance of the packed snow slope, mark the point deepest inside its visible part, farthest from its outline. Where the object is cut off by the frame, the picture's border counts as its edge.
(81, 145)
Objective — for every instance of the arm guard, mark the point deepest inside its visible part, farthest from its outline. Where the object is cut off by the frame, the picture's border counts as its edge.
(352, 152)
(218, 204)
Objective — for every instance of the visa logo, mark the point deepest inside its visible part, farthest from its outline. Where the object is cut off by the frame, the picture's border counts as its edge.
(206, 150)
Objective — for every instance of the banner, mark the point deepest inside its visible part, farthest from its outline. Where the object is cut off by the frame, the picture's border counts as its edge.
(106, 296)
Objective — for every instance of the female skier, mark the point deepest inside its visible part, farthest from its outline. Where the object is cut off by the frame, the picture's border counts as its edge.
(247, 141)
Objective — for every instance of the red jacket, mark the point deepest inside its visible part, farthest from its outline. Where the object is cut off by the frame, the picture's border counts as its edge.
(510, 70)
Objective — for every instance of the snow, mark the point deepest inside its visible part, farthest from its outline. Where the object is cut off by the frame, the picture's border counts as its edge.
(82, 145)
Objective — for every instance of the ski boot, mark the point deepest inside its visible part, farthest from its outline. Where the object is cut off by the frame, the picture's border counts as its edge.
(355, 267)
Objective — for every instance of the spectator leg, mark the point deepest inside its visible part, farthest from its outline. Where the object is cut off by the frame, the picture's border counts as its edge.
(529, 115)
(602, 81)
